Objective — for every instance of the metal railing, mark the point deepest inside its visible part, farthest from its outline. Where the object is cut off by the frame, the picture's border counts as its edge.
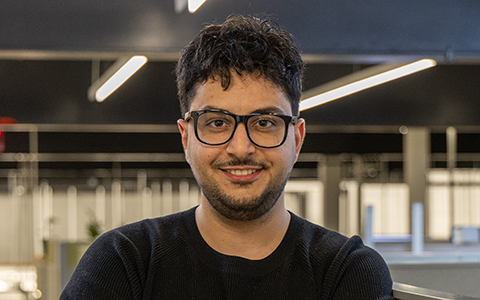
(408, 292)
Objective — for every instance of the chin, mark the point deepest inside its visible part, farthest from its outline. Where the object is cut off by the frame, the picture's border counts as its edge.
(242, 207)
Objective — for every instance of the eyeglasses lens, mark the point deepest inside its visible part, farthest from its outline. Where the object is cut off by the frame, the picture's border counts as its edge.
(218, 127)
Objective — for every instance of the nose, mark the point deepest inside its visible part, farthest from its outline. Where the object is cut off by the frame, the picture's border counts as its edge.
(240, 145)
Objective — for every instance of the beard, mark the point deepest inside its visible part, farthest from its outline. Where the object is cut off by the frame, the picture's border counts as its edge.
(243, 208)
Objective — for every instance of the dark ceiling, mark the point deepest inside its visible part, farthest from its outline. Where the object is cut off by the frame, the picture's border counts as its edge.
(56, 92)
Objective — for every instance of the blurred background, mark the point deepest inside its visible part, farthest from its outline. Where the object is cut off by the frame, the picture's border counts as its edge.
(396, 163)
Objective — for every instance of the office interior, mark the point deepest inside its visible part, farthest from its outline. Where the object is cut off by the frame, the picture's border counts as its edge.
(397, 163)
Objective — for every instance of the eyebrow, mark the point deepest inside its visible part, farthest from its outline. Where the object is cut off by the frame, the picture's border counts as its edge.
(268, 109)
(208, 107)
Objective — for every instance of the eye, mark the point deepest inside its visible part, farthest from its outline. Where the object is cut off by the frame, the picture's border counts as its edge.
(264, 123)
(217, 123)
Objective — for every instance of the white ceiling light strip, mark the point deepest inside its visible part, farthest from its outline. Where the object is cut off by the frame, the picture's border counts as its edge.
(193, 5)
(125, 72)
(366, 83)
(114, 77)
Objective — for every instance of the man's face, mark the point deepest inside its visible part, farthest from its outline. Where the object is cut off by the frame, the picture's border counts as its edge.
(239, 180)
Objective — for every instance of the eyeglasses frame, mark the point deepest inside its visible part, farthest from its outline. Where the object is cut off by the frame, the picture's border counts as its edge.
(194, 114)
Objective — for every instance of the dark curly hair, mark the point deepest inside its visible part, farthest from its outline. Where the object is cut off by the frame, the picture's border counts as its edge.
(245, 45)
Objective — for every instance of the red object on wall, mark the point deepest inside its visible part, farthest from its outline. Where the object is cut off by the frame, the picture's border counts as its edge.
(5, 120)
(2, 142)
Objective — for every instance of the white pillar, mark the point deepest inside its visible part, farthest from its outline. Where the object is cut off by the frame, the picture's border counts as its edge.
(147, 203)
(116, 204)
(451, 165)
(167, 197)
(100, 204)
(141, 182)
(417, 229)
(156, 198)
(47, 208)
(368, 232)
(416, 159)
(72, 207)
(38, 250)
(183, 195)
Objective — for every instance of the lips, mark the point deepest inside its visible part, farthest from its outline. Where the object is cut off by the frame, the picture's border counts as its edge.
(243, 175)
(241, 172)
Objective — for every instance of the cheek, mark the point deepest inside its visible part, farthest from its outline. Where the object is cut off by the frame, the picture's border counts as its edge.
(198, 155)
(288, 154)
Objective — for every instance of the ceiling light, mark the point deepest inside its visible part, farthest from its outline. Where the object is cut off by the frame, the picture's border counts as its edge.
(365, 83)
(114, 77)
(193, 5)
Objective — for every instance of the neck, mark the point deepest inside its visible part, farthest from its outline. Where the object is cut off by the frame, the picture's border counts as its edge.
(255, 239)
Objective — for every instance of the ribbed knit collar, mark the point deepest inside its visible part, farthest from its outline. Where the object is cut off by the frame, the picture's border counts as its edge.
(238, 265)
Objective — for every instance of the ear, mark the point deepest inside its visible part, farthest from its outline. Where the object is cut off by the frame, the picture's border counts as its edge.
(299, 129)
(183, 128)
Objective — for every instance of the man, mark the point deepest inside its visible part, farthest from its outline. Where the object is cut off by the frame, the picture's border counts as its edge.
(239, 88)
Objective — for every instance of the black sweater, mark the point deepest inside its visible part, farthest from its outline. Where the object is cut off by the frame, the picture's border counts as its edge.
(166, 258)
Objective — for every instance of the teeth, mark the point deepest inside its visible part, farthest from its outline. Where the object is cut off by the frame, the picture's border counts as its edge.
(241, 172)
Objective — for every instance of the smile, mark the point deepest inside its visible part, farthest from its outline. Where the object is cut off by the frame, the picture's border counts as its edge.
(241, 172)
(242, 175)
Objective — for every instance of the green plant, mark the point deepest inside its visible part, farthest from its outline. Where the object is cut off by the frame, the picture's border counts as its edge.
(94, 226)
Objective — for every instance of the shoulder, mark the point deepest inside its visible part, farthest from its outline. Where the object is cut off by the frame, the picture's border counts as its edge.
(344, 265)
(358, 270)
(326, 242)
(151, 229)
(144, 233)
(316, 239)
(118, 262)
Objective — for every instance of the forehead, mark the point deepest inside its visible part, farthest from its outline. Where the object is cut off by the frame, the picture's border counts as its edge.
(244, 95)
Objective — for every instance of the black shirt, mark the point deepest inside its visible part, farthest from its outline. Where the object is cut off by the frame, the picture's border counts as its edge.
(167, 258)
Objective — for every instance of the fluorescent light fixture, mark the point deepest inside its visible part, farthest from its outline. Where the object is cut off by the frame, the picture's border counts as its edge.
(366, 83)
(114, 77)
(193, 5)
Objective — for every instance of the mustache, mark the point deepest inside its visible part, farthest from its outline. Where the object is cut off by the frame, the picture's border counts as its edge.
(236, 162)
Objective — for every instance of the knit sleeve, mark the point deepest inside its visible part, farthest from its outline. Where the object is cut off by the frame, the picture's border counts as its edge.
(357, 272)
(110, 269)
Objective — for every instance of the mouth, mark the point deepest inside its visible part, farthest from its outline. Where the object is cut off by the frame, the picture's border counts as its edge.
(242, 171)
(242, 174)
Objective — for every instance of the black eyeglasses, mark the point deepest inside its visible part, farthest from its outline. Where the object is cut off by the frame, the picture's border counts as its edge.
(217, 127)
